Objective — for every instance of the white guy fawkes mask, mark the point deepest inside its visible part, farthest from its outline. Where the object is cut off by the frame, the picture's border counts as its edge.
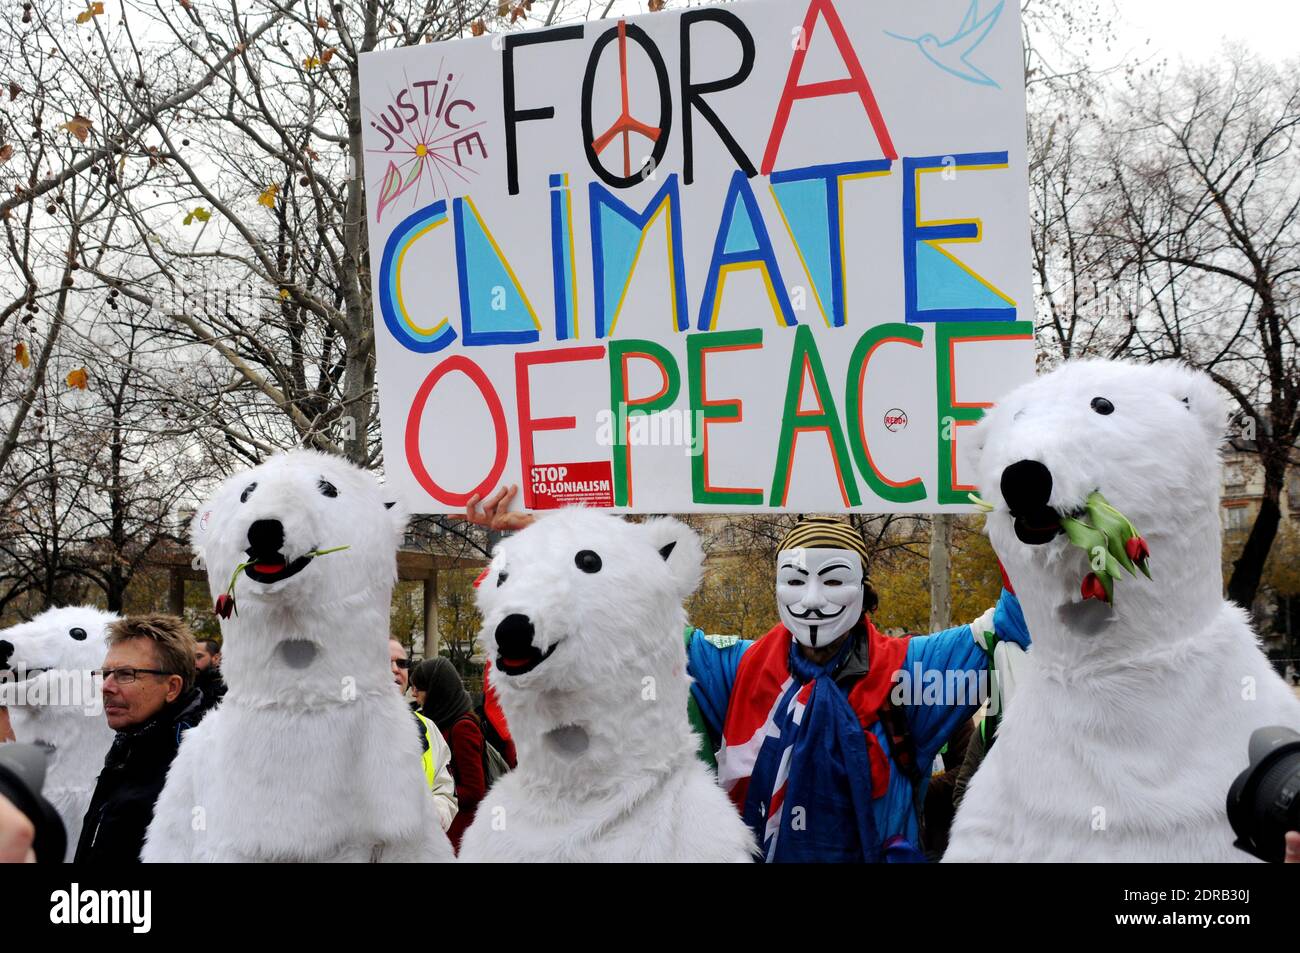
(818, 593)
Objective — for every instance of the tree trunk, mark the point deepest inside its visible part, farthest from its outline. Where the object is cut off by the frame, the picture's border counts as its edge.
(1248, 570)
(358, 375)
(940, 591)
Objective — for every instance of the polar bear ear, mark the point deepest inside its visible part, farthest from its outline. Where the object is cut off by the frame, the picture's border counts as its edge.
(679, 547)
(1203, 399)
(201, 525)
(398, 515)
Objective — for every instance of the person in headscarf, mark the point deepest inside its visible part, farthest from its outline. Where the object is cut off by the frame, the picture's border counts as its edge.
(443, 700)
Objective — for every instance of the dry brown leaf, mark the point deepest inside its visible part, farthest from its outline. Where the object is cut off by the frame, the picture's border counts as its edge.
(657, 5)
(6, 152)
(14, 90)
(78, 378)
(477, 28)
(92, 10)
(268, 195)
(322, 23)
(21, 355)
(78, 126)
(328, 55)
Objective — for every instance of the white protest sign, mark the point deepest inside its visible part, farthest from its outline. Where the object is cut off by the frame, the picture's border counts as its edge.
(771, 255)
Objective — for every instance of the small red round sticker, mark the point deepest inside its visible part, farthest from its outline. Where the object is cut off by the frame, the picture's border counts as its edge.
(895, 420)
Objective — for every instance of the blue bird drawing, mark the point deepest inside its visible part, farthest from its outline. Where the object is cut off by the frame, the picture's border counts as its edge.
(950, 55)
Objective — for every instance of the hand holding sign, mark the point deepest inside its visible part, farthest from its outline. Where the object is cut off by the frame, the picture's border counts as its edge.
(494, 513)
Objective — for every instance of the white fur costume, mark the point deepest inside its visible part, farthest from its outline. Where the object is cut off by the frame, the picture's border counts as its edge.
(61, 708)
(607, 764)
(312, 754)
(1128, 725)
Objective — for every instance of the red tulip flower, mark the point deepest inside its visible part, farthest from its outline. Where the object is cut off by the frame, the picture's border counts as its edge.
(1092, 587)
(1137, 549)
(225, 605)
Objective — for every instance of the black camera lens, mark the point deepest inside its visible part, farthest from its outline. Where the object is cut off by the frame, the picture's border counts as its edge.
(22, 775)
(1264, 801)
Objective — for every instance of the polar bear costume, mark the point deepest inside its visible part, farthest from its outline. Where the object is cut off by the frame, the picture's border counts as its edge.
(1129, 723)
(312, 755)
(58, 705)
(583, 618)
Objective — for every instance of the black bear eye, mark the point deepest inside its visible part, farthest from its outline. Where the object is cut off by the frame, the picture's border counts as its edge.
(587, 561)
(1102, 406)
(502, 576)
(327, 488)
(79, 634)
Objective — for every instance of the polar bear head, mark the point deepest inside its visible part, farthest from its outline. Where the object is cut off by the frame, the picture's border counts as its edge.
(583, 622)
(302, 622)
(1147, 437)
(45, 665)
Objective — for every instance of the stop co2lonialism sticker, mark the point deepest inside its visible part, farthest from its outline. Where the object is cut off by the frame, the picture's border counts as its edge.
(572, 484)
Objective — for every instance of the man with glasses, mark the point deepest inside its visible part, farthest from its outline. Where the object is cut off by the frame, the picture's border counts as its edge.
(149, 700)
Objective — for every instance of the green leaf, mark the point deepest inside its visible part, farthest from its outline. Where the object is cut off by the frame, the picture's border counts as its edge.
(1116, 526)
(1086, 537)
(1108, 583)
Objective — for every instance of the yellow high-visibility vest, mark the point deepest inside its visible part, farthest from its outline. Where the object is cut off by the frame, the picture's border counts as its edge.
(430, 767)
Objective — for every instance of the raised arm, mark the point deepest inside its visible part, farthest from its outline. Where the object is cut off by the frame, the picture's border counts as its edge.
(494, 513)
(955, 657)
(711, 661)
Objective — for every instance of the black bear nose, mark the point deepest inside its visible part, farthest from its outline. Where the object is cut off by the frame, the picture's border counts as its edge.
(266, 536)
(514, 635)
(1026, 485)
(6, 650)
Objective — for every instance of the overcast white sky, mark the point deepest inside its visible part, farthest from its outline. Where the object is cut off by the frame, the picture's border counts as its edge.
(1195, 29)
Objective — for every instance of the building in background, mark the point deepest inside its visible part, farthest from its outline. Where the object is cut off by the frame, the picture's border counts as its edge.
(1277, 609)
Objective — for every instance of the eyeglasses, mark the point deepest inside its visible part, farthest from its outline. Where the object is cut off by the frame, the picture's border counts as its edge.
(127, 675)
(402, 663)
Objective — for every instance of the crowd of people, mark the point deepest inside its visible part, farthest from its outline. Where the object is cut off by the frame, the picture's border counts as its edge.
(894, 801)
(158, 681)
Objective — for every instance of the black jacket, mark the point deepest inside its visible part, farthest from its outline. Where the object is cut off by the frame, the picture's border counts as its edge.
(134, 771)
(212, 685)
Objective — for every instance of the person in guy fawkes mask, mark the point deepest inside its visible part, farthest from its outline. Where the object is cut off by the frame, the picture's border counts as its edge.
(814, 746)
(825, 759)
